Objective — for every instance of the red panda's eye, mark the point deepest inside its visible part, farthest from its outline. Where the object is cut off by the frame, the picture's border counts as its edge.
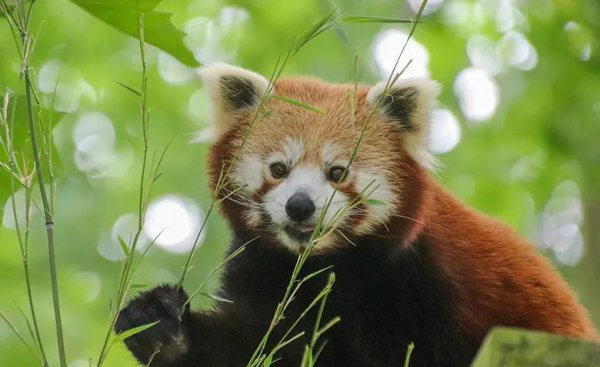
(338, 174)
(278, 170)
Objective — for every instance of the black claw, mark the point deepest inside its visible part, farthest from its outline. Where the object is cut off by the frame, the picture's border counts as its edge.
(174, 301)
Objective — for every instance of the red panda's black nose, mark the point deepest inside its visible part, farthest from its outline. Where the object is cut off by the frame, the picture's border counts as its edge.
(299, 207)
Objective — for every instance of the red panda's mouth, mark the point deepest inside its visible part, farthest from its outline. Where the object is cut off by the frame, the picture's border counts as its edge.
(300, 232)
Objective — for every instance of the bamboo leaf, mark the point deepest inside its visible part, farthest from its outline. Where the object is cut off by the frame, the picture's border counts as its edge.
(409, 351)
(341, 35)
(131, 332)
(214, 298)
(319, 27)
(124, 246)
(296, 102)
(367, 19)
(268, 361)
(374, 202)
(131, 89)
(315, 273)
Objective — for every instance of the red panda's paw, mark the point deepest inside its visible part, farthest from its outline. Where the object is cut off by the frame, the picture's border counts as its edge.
(168, 340)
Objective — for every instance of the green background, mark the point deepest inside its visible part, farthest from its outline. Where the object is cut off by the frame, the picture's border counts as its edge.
(534, 163)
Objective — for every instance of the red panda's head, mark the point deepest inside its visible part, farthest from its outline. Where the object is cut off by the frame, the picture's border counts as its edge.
(286, 160)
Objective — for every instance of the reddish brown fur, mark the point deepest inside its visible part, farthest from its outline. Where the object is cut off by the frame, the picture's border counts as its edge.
(381, 148)
(496, 277)
(428, 270)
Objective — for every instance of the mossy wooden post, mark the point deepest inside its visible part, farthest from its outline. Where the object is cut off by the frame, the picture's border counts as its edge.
(507, 347)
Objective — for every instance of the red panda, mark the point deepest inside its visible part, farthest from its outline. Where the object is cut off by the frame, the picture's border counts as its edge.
(412, 263)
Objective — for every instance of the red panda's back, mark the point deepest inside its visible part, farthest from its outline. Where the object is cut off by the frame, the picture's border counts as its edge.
(497, 277)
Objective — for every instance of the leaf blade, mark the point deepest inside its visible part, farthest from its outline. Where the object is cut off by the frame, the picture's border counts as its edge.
(129, 88)
(370, 19)
(123, 15)
(131, 332)
(298, 103)
(374, 202)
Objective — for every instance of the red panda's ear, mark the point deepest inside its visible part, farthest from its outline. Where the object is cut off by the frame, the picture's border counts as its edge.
(407, 103)
(231, 89)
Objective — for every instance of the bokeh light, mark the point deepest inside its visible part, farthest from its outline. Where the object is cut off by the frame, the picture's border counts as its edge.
(95, 154)
(174, 223)
(516, 50)
(109, 248)
(386, 48)
(89, 285)
(559, 224)
(123, 229)
(477, 93)
(48, 76)
(580, 40)
(463, 16)
(430, 8)
(216, 39)
(444, 133)
(482, 54)
(62, 87)
(505, 14)
(16, 201)
(173, 71)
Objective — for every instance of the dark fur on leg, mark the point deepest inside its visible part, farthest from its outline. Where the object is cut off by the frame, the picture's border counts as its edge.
(181, 337)
(386, 298)
(165, 343)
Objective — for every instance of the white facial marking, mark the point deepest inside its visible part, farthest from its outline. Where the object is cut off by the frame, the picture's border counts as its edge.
(332, 153)
(294, 149)
(248, 173)
(378, 190)
(312, 182)
(292, 152)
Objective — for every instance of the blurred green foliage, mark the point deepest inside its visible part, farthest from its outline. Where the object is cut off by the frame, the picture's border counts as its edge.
(535, 163)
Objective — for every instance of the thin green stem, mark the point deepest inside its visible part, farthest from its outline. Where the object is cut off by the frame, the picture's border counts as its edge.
(23, 244)
(310, 358)
(188, 261)
(22, 21)
(216, 268)
(22, 236)
(19, 335)
(49, 222)
(128, 272)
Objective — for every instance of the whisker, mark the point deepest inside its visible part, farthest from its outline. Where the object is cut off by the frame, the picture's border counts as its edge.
(345, 237)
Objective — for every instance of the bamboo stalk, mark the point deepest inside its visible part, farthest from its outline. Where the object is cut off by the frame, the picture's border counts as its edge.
(48, 215)
(22, 23)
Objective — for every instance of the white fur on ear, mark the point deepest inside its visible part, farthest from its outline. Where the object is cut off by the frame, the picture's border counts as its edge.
(409, 102)
(230, 89)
